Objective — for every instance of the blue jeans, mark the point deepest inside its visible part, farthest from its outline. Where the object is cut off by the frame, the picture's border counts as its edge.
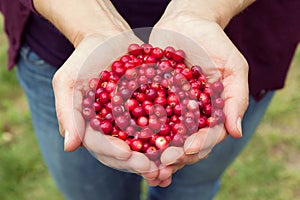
(79, 176)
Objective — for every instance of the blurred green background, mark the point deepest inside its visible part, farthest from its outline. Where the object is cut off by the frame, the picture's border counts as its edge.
(269, 167)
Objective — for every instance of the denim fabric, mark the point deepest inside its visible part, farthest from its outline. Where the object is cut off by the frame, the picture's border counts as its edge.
(79, 176)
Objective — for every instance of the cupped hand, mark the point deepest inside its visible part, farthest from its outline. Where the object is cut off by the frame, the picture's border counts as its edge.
(93, 55)
(205, 44)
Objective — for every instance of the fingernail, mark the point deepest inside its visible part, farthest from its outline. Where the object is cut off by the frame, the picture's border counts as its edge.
(239, 126)
(67, 135)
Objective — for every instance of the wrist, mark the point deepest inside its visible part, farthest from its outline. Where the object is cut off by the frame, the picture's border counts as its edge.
(218, 11)
(78, 19)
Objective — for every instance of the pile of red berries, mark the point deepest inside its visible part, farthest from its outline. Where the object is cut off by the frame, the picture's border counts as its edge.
(151, 99)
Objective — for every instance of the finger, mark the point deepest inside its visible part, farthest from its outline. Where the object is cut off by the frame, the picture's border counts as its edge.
(165, 172)
(235, 94)
(204, 139)
(71, 123)
(153, 183)
(171, 155)
(69, 81)
(166, 183)
(137, 163)
(153, 172)
(106, 145)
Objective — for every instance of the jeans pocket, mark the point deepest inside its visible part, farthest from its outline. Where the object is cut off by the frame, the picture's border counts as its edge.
(30, 56)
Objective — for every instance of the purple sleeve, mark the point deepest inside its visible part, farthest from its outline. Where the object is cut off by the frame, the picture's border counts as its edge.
(28, 4)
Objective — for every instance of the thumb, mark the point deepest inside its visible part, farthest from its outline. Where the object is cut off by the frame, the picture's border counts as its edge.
(71, 123)
(236, 97)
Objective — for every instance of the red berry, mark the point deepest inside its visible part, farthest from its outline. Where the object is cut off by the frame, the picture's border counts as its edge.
(122, 122)
(161, 142)
(138, 111)
(157, 53)
(178, 140)
(106, 127)
(142, 121)
(95, 124)
(136, 145)
(152, 153)
(218, 87)
(88, 113)
(169, 52)
(135, 49)
(147, 48)
(178, 56)
(218, 103)
(165, 130)
(122, 135)
(104, 75)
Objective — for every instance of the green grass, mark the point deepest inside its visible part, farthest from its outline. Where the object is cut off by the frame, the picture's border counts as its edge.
(267, 169)
(22, 172)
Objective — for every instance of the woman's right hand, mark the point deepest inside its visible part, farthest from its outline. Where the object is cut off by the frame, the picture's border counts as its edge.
(99, 34)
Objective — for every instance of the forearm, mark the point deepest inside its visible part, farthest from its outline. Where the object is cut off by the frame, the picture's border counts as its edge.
(220, 11)
(77, 19)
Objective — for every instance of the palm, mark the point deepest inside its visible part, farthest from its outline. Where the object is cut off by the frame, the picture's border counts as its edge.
(207, 45)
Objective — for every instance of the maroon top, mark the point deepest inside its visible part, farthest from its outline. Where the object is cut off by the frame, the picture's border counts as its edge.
(266, 33)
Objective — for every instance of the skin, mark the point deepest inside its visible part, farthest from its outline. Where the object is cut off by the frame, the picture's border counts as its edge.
(199, 22)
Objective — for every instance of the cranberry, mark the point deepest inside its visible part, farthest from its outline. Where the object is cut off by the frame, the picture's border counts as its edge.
(151, 94)
(147, 48)
(138, 112)
(161, 142)
(178, 56)
(146, 133)
(165, 129)
(117, 110)
(131, 104)
(218, 103)
(97, 106)
(95, 124)
(157, 53)
(122, 135)
(152, 153)
(131, 74)
(87, 102)
(154, 123)
(169, 52)
(196, 71)
(125, 58)
(118, 68)
(106, 127)
(178, 140)
(122, 122)
(160, 100)
(136, 145)
(135, 49)
(94, 83)
(104, 75)
(179, 128)
(172, 100)
(116, 100)
(142, 121)
(88, 113)
(218, 87)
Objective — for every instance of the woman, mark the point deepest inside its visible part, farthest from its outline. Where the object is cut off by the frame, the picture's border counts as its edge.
(42, 36)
